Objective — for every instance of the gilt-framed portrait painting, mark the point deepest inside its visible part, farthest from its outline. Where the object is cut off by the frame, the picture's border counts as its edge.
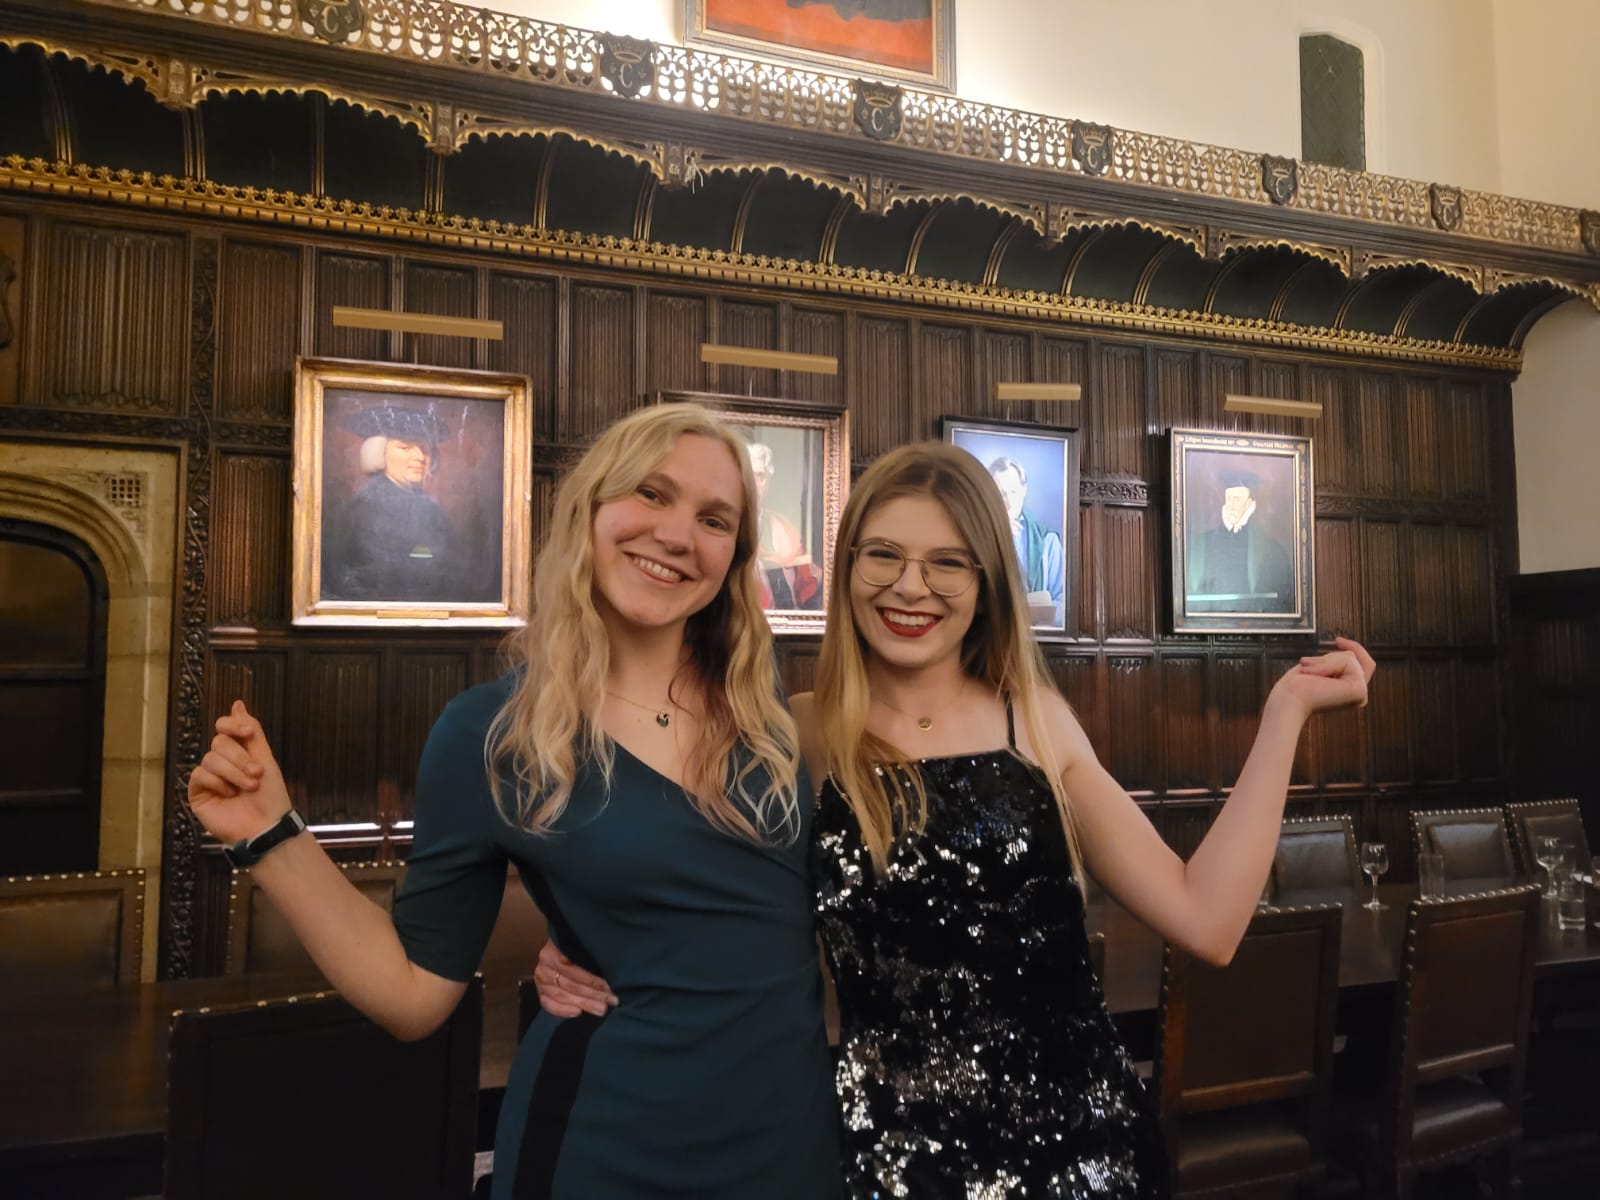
(1243, 538)
(800, 458)
(412, 495)
(1036, 469)
(911, 40)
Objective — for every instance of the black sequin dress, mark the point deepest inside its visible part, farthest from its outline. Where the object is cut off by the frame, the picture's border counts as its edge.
(976, 1057)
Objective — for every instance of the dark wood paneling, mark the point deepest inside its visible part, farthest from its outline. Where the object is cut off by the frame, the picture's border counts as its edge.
(1081, 678)
(259, 328)
(1382, 434)
(1280, 380)
(1478, 719)
(1434, 735)
(256, 677)
(676, 331)
(351, 281)
(1061, 360)
(1339, 608)
(443, 292)
(1237, 688)
(526, 305)
(1432, 583)
(1188, 729)
(814, 331)
(338, 736)
(944, 362)
(1178, 400)
(13, 266)
(877, 422)
(1125, 572)
(1384, 583)
(250, 583)
(1117, 445)
(1473, 588)
(1335, 437)
(113, 320)
(1427, 444)
(1226, 375)
(1469, 421)
(1389, 718)
(1133, 738)
(425, 681)
(754, 325)
(601, 354)
(1003, 357)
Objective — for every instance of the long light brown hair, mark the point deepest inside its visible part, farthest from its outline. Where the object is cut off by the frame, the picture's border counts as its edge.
(551, 723)
(878, 779)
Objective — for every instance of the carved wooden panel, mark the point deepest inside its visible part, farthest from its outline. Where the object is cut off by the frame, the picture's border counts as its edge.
(1185, 723)
(1082, 577)
(1432, 583)
(1226, 375)
(258, 331)
(818, 331)
(1434, 735)
(445, 292)
(339, 725)
(250, 572)
(797, 664)
(1383, 581)
(1236, 684)
(114, 319)
(1478, 718)
(1393, 819)
(1338, 579)
(944, 364)
(1132, 733)
(601, 358)
(1339, 747)
(1427, 446)
(425, 682)
(1389, 720)
(1335, 436)
(1177, 388)
(1469, 421)
(1124, 575)
(351, 281)
(13, 261)
(526, 305)
(257, 678)
(1280, 380)
(1381, 435)
(754, 325)
(1474, 584)
(675, 331)
(880, 389)
(1081, 680)
(1004, 357)
(1117, 445)
(1060, 360)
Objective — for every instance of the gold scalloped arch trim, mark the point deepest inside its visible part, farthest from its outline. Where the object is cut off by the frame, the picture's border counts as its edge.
(1072, 222)
(203, 197)
(1335, 257)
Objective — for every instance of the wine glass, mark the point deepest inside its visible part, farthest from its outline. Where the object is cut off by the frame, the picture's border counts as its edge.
(1545, 849)
(1374, 862)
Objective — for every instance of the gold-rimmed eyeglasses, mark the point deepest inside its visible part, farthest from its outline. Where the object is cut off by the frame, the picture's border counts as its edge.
(946, 572)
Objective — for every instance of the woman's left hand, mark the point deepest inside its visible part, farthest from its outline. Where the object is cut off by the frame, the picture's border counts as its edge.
(1337, 679)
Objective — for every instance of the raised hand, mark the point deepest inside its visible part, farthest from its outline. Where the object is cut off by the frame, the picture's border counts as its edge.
(566, 989)
(1337, 679)
(237, 791)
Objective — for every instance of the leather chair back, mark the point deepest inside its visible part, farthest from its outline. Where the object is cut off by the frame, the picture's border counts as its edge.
(260, 939)
(1315, 853)
(305, 1097)
(71, 930)
(1547, 818)
(1465, 1004)
(1258, 1032)
(1472, 840)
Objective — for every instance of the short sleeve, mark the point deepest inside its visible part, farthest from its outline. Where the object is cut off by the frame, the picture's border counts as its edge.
(455, 876)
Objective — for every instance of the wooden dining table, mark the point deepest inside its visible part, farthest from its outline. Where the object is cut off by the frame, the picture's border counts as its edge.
(84, 1072)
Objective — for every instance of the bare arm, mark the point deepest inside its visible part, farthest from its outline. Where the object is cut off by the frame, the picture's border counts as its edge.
(237, 792)
(1204, 905)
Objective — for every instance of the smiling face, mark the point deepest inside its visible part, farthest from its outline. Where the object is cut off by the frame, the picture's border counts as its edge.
(405, 462)
(904, 623)
(662, 552)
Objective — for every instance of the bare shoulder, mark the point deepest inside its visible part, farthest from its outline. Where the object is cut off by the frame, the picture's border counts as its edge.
(1062, 727)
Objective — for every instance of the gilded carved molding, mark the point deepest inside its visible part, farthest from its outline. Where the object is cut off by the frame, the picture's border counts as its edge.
(1225, 242)
(207, 198)
(795, 99)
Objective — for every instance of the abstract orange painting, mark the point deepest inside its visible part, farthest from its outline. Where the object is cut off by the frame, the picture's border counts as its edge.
(897, 39)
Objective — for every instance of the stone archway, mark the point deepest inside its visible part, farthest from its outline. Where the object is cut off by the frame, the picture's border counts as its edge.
(122, 504)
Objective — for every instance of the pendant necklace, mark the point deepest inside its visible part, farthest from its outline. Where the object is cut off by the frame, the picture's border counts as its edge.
(925, 721)
(663, 716)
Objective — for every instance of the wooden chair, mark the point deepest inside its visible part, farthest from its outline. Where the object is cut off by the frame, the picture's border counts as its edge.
(1315, 853)
(1547, 818)
(1473, 842)
(1244, 1056)
(1452, 1088)
(305, 1097)
(71, 930)
(260, 940)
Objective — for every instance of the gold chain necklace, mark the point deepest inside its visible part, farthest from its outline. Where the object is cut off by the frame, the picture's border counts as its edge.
(663, 716)
(925, 721)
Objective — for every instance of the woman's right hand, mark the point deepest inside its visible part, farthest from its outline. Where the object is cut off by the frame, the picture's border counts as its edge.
(566, 989)
(237, 791)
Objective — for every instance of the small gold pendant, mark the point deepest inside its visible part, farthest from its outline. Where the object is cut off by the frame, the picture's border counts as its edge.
(663, 719)
(924, 723)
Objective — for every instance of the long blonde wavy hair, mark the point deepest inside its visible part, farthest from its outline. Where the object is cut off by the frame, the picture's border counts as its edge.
(551, 723)
(998, 651)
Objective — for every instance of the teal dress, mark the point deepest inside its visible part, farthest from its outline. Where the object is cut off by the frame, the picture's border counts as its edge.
(711, 1077)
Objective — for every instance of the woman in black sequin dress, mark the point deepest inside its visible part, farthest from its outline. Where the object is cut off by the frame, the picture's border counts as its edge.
(976, 1056)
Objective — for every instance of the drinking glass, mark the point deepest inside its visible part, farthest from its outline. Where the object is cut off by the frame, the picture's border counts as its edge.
(1544, 853)
(1374, 862)
(1430, 875)
(1571, 901)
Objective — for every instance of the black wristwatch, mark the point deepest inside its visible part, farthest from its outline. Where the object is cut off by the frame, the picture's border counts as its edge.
(248, 852)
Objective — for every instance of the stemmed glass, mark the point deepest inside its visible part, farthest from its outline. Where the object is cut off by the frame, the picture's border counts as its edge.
(1545, 851)
(1374, 862)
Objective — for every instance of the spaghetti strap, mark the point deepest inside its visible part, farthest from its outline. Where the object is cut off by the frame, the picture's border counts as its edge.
(1011, 725)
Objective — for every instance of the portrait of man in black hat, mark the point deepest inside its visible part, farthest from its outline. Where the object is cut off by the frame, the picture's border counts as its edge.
(391, 540)
(1237, 564)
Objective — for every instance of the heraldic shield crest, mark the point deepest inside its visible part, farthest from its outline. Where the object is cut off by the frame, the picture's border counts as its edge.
(1445, 203)
(1280, 178)
(333, 20)
(877, 110)
(628, 64)
(1091, 146)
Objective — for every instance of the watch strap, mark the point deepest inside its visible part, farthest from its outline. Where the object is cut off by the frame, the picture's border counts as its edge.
(248, 853)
